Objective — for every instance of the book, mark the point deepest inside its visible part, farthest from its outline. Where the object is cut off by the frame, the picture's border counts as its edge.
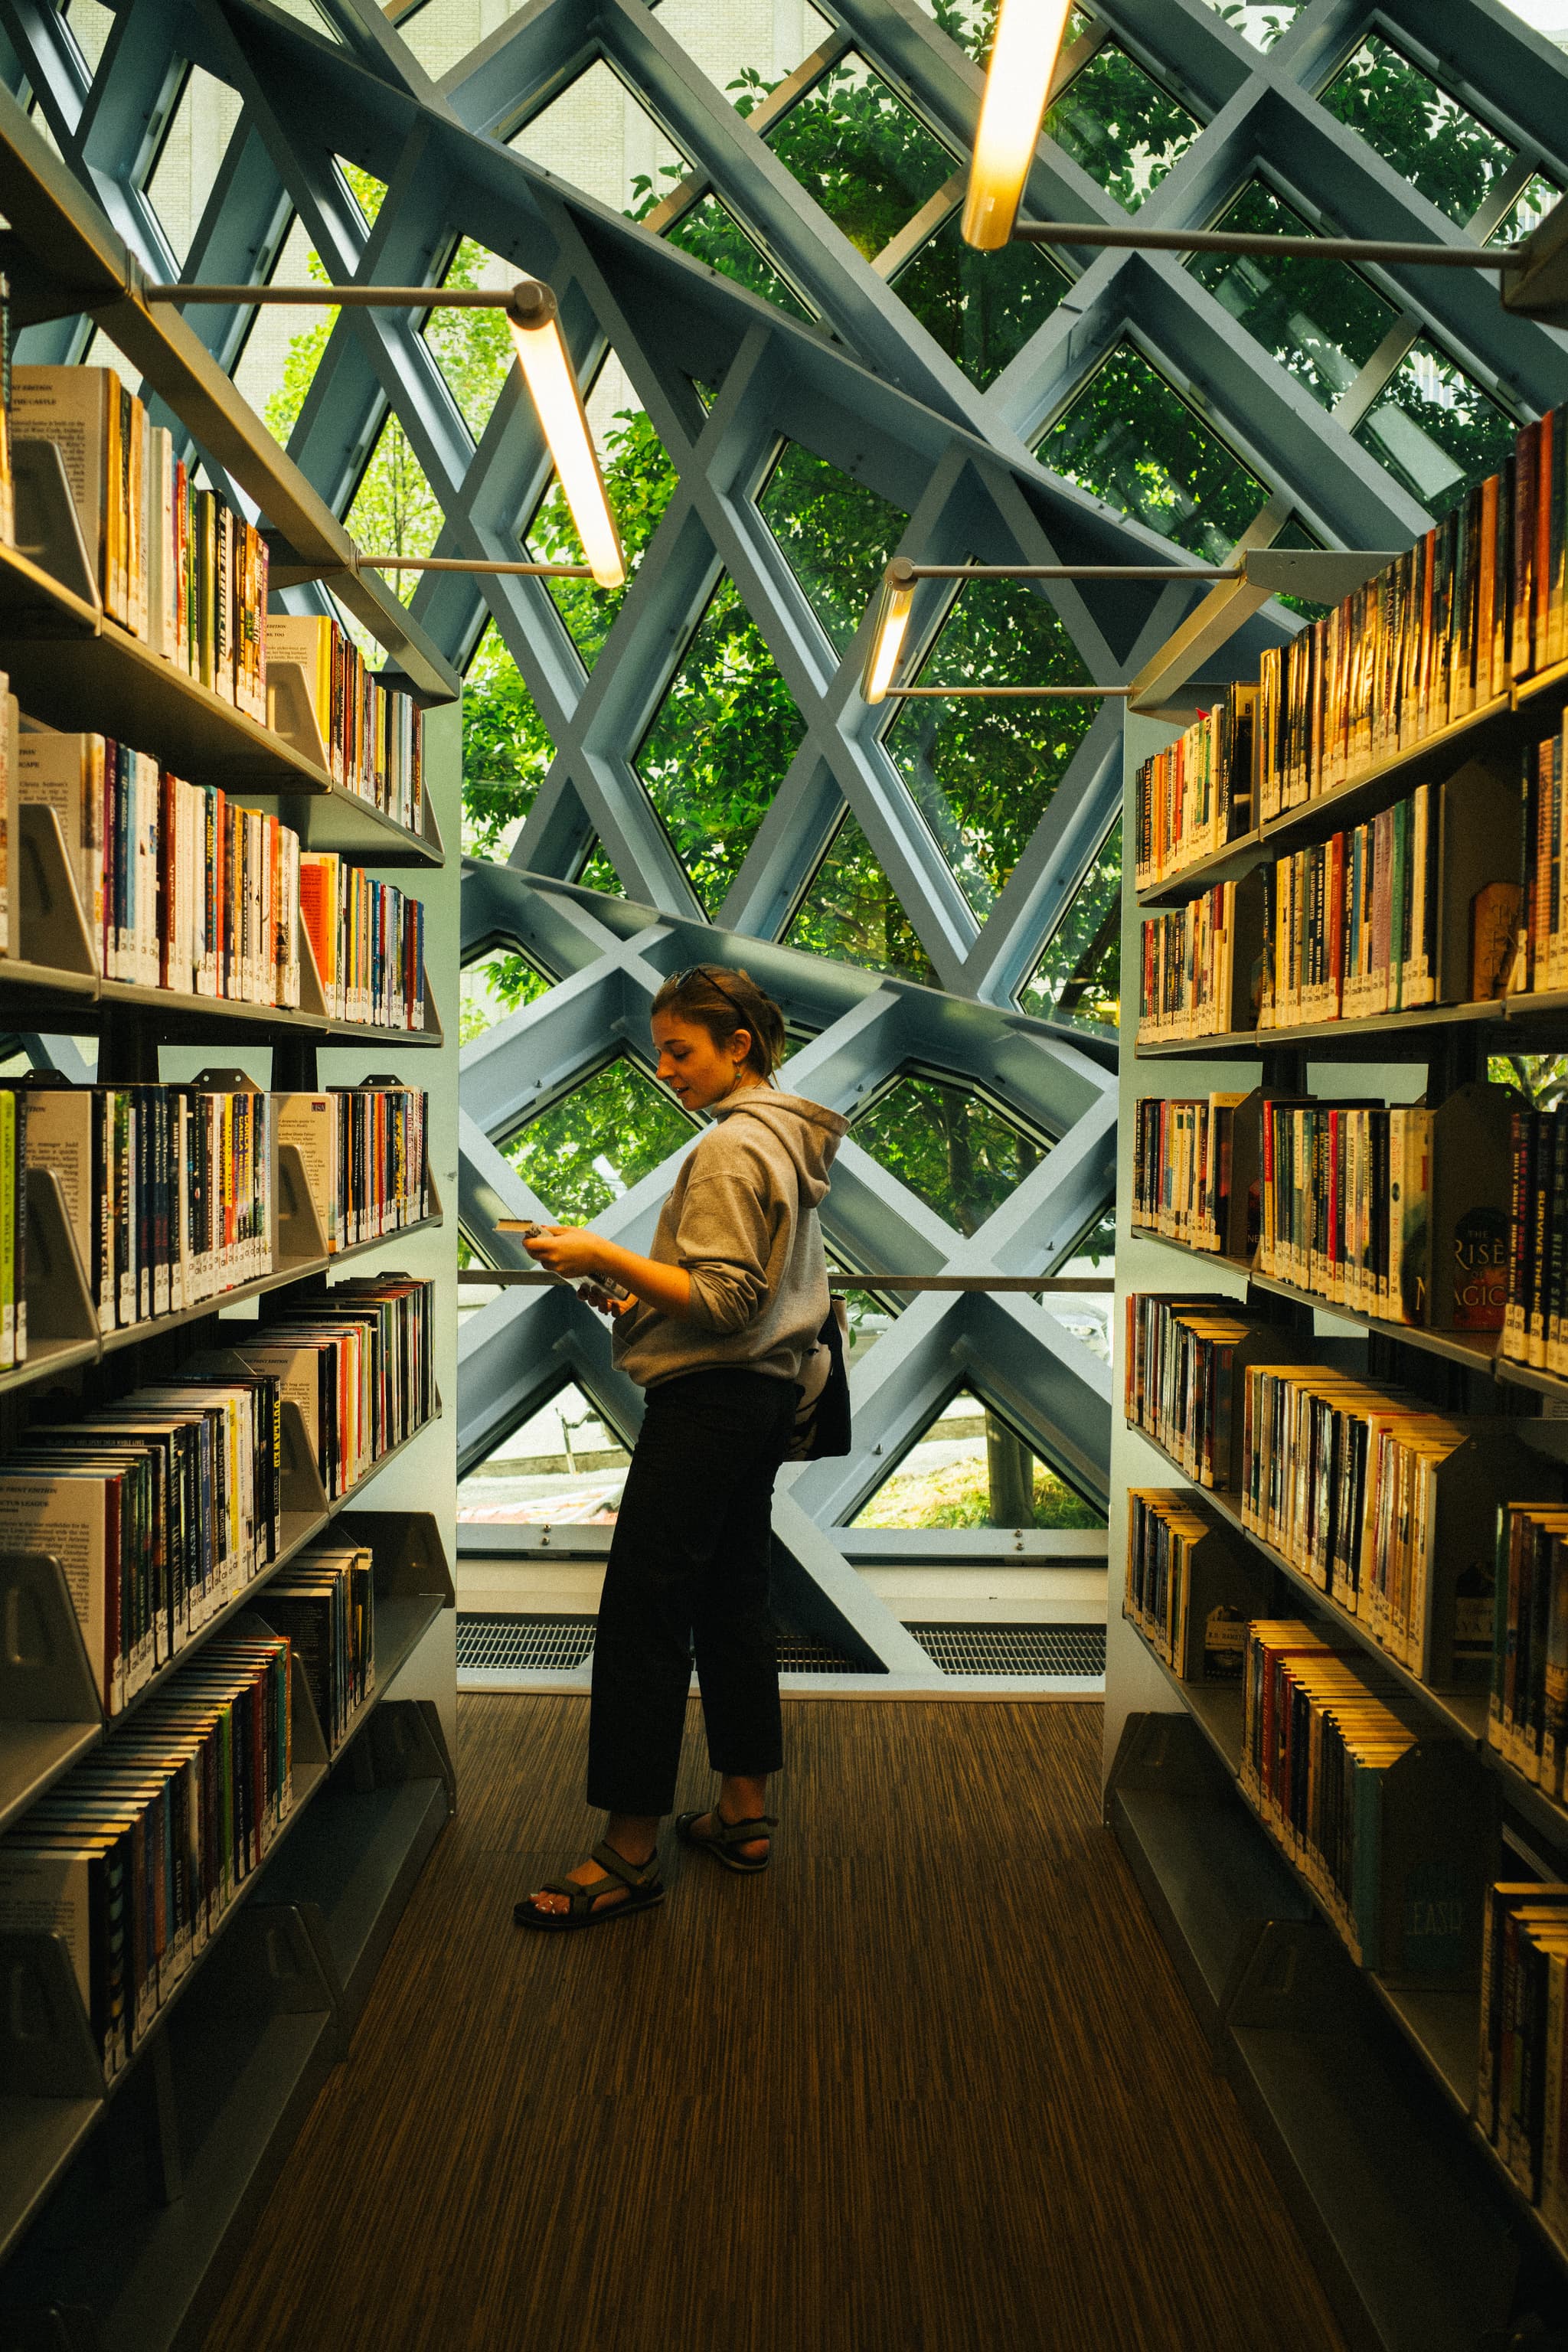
(168, 1190)
(1198, 975)
(363, 1152)
(367, 940)
(324, 1602)
(1381, 1819)
(1182, 1168)
(133, 1857)
(1197, 796)
(1189, 1590)
(369, 735)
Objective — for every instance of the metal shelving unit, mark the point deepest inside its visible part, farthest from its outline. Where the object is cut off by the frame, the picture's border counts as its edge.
(224, 2073)
(1333, 2061)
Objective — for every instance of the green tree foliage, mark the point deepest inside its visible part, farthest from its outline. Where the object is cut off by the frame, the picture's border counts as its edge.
(983, 773)
(864, 157)
(586, 1150)
(1079, 978)
(1426, 135)
(719, 741)
(961, 1157)
(473, 348)
(1319, 319)
(1130, 438)
(982, 308)
(1123, 128)
(837, 536)
(851, 912)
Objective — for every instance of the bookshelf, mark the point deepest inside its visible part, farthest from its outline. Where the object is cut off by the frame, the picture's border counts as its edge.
(127, 2191)
(1362, 2084)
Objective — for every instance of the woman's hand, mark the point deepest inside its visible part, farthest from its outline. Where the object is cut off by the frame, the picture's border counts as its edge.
(569, 1250)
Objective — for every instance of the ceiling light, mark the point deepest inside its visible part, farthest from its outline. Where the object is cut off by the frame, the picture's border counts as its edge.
(1018, 82)
(542, 352)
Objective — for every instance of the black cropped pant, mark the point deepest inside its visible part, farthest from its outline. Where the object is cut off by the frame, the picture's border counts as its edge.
(689, 1560)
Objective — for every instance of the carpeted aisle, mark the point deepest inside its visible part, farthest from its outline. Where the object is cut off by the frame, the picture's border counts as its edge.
(928, 2086)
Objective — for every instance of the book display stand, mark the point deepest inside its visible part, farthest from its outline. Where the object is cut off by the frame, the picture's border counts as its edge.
(1362, 2081)
(125, 2199)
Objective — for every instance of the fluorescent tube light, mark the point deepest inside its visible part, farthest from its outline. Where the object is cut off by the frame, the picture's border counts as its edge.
(552, 387)
(893, 604)
(1018, 82)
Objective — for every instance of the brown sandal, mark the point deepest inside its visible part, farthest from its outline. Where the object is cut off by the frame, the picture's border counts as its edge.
(641, 1880)
(728, 1834)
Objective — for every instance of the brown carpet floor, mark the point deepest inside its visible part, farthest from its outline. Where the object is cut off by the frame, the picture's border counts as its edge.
(928, 2086)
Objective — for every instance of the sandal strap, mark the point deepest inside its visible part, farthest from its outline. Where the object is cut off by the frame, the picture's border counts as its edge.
(742, 1832)
(631, 1874)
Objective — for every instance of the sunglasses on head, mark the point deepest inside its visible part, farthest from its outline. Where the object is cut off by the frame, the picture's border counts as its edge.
(701, 972)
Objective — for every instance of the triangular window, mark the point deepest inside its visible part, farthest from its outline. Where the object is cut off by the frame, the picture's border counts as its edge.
(1079, 978)
(970, 1468)
(1130, 438)
(565, 1467)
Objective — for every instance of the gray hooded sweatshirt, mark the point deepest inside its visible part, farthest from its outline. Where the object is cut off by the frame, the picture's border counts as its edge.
(742, 1220)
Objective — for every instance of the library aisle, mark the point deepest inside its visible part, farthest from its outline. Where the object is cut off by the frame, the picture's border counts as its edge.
(931, 2083)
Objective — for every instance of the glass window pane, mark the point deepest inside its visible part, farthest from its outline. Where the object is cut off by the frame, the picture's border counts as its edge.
(960, 1155)
(1318, 318)
(494, 988)
(598, 873)
(1425, 134)
(747, 46)
(598, 138)
(982, 772)
(1528, 209)
(1261, 22)
(1436, 430)
(181, 181)
(595, 1144)
(394, 510)
(711, 234)
(565, 1467)
(473, 348)
(970, 1469)
(1119, 126)
(851, 912)
(639, 480)
(982, 308)
(1130, 438)
(719, 745)
(1079, 978)
(865, 158)
(837, 536)
(506, 751)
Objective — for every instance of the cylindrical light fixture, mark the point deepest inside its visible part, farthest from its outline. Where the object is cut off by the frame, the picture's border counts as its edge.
(552, 386)
(891, 626)
(1024, 55)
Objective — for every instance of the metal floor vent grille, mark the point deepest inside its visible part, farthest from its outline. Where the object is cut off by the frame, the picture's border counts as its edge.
(799, 1654)
(1015, 1649)
(560, 1644)
(523, 1644)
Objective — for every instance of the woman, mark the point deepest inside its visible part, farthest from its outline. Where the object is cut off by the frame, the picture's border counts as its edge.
(720, 1320)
